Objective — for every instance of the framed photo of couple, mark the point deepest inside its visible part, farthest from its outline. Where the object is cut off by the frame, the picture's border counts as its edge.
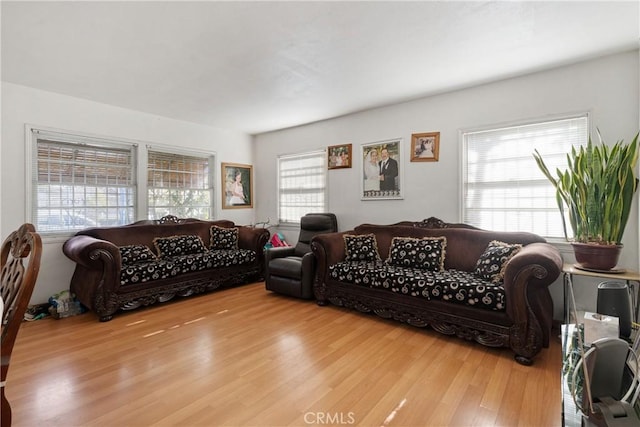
(425, 147)
(381, 170)
(339, 156)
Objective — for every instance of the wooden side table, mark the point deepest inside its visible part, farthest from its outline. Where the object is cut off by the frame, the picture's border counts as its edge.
(632, 278)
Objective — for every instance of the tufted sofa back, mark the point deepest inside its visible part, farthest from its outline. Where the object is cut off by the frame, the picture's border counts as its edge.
(143, 234)
(464, 246)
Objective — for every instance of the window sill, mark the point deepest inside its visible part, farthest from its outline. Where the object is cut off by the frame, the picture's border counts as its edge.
(288, 225)
(55, 238)
(561, 244)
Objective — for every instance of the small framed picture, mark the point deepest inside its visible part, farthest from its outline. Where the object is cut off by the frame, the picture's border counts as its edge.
(425, 147)
(339, 156)
(381, 176)
(237, 186)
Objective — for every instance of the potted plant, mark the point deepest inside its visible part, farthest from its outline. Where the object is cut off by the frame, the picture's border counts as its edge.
(596, 190)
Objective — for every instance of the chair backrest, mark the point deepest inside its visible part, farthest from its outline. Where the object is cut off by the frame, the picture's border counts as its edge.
(311, 225)
(21, 253)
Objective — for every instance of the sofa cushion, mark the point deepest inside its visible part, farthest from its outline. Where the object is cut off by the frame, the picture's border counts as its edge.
(163, 268)
(361, 247)
(493, 261)
(147, 271)
(231, 257)
(456, 286)
(132, 254)
(179, 245)
(426, 253)
(223, 238)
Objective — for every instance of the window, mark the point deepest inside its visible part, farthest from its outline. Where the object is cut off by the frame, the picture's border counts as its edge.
(179, 185)
(503, 189)
(80, 182)
(302, 185)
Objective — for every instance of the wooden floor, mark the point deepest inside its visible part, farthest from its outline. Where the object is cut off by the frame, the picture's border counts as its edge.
(247, 357)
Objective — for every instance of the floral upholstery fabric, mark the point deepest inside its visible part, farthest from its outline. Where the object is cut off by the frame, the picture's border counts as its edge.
(460, 287)
(224, 238)
(179, 245)
(493, 261)
(132, 254)
(363, 247)
(426, 253)
(164, 268)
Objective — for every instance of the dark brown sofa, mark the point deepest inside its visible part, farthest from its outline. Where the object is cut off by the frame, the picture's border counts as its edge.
(516, 312)
(105, 282)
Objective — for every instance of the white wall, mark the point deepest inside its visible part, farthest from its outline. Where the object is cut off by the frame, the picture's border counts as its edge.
(606, 87)
(22, 105)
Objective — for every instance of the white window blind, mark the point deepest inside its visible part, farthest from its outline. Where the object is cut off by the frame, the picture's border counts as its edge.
(503, 188)
(302, 185)
(81, 182)
(179, 185)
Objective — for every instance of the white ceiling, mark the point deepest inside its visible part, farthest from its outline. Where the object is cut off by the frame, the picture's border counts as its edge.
(261, 66)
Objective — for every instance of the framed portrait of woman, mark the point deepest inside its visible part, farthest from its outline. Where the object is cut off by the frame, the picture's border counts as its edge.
(237, 186)
(381, 170)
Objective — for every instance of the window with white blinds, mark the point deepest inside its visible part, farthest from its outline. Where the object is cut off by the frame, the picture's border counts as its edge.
(179, 185)
(302, 184)
(80, 182)
(503, 188)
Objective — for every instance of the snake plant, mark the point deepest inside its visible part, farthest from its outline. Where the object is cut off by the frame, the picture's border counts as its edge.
(596, 189)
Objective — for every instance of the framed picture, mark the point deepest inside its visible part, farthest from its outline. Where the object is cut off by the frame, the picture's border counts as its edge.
(237, 186)
(339, 156)
(425, 147)
(381, 175)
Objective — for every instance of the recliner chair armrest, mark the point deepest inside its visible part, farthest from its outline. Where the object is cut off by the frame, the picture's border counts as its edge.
(273, 253)
(309, 264)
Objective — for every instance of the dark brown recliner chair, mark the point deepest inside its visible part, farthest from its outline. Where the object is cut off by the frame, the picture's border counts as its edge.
(291, 270)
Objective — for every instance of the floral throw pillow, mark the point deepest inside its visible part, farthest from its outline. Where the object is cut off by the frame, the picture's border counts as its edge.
(132, 254)
(224, 238)
(179, 245)
(361, 247)
(493, 261)
(426, 253)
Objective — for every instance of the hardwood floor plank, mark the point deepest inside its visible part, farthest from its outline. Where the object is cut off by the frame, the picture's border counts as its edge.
(247, 357)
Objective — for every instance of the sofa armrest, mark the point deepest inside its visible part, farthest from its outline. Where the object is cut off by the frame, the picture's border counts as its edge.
(93, 253)
(96, 278)
(328, 249)
(254, 239)
(544, 257)
(329, 246)
(527, 278)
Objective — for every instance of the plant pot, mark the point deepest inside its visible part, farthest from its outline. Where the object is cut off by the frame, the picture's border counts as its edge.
(593, 256)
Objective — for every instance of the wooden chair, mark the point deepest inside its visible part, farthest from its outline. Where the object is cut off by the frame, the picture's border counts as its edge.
(20, 261)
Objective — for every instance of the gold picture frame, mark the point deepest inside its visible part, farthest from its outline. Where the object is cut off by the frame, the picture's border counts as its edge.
(425, 147)
(339, 156)
(237, 186)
